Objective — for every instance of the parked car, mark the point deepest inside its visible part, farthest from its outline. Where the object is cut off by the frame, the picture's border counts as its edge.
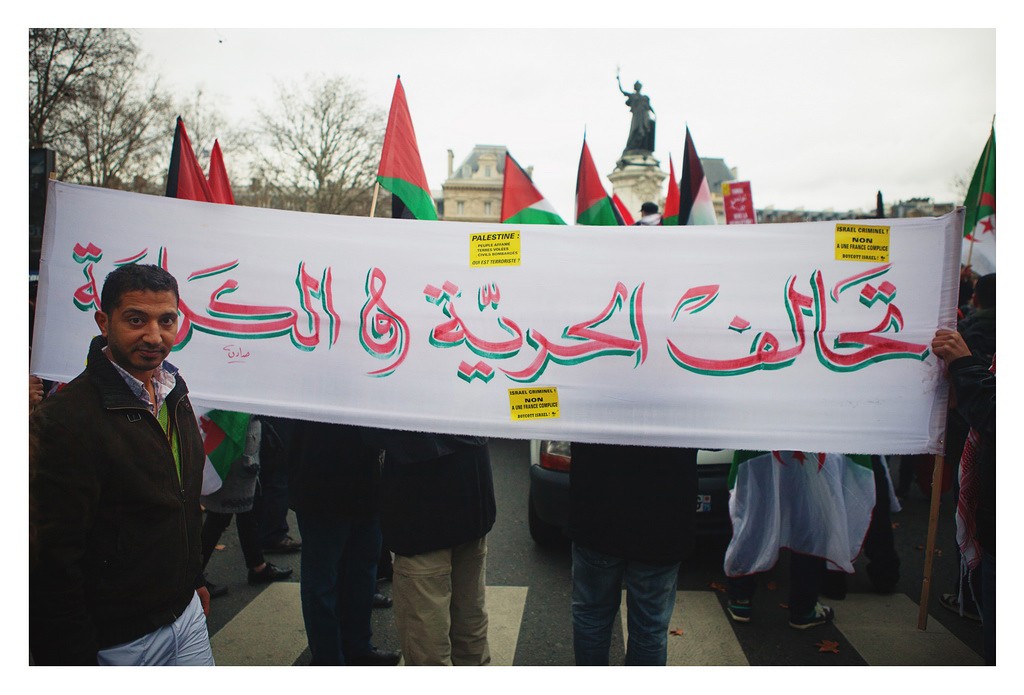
(548, 504)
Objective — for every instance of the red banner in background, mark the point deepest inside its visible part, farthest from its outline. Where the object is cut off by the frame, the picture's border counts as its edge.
(739, 204)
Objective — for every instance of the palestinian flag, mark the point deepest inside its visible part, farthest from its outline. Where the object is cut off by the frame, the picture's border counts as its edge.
(220, 187)
(695, 206)
(980, 220)
(671, 214)
(621, 208)
(401, 169)
(521, 202)
(593, 205)
(815, 504)
(185, 178)
(224, 433)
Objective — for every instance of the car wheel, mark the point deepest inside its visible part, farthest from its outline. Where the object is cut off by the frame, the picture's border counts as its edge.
(542, 532)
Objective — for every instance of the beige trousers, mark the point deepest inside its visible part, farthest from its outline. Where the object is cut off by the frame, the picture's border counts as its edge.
(439, 606)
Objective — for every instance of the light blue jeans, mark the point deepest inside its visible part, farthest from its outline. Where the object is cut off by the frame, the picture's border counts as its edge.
(597, 581)
(185, 642)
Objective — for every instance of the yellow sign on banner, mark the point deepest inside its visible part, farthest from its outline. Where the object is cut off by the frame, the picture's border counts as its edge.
(861, 242)
(488, 249)
(533, 403)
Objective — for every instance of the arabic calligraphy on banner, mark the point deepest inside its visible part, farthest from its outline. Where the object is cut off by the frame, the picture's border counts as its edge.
(754, 336)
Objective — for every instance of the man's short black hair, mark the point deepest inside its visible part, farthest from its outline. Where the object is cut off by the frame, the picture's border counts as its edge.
(133, 277)
(648, 208)
(985, 291)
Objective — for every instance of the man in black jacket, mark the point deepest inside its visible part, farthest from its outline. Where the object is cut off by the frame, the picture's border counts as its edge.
(116, 470)
(973, 380)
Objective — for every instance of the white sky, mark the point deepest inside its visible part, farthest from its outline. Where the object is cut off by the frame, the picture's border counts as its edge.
(813, 118)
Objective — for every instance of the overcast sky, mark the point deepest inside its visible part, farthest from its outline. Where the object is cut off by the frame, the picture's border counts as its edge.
(818, 118)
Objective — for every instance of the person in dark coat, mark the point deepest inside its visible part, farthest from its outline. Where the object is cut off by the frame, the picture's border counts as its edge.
(333, 486)
(631, 519)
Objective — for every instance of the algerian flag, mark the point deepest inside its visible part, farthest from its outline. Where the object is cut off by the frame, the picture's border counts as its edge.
(401, 169)
(695, 204)
(814, 504)
(521, 202)
(593, 204)
(979, 247)
(224, 433)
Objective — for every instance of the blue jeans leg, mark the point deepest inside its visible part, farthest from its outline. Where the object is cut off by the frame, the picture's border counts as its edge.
(322, 546)
(339, 577)
(650, 599)
(596, 595)
(358, 574)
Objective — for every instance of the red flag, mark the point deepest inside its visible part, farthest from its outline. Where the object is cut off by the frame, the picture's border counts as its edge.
(220, 186)
(621, 207)
(185, 178)
(671, 216)
(401, 169)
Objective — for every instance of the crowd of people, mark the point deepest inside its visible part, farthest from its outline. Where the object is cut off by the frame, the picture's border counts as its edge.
(121, 534)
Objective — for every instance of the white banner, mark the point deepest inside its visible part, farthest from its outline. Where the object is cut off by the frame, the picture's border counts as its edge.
(810, 337)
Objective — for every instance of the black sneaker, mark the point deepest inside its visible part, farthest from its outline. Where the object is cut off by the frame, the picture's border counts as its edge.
(215, 590)
(740, 610)
(818, 616)
(376, 657)
(270, 573)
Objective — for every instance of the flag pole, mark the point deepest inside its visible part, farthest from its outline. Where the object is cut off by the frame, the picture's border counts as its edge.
(373, 204)
(929, 550)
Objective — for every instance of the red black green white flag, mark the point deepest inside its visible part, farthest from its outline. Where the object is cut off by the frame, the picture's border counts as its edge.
(401, 169)
(695, 205)
(185, 178)
(671, 214)
(521, 202)
(593, 204)
(621, 208)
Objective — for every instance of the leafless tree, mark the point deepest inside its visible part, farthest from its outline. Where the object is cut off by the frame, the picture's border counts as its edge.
(61, 65)
(91, 104)
(318, 149)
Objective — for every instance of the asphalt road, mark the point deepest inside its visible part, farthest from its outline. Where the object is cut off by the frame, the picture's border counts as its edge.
(529, 591)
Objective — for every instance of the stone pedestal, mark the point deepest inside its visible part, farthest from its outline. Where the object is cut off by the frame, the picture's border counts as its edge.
(636, 180)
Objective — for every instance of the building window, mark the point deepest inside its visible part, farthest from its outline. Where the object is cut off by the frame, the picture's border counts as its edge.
(487, 172)
(460, 208)
(487, 206)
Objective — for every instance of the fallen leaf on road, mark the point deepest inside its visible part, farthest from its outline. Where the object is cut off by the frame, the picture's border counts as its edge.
(219, 546)
(895, 525)
(827, 645)
(772, 586)
(676, 632)
(718, 586)
(784, 606)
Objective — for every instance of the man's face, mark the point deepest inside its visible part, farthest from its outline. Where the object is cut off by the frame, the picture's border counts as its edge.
(140, 330)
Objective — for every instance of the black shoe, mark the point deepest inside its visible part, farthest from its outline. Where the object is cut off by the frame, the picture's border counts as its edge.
(376, 657)
(270, 573)
(285, 545)
(381, 601)
(215, 590)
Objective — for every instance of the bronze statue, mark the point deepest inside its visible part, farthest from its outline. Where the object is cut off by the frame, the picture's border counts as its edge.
(641, 128)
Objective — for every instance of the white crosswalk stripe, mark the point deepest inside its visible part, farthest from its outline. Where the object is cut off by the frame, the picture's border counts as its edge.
(882, 629)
